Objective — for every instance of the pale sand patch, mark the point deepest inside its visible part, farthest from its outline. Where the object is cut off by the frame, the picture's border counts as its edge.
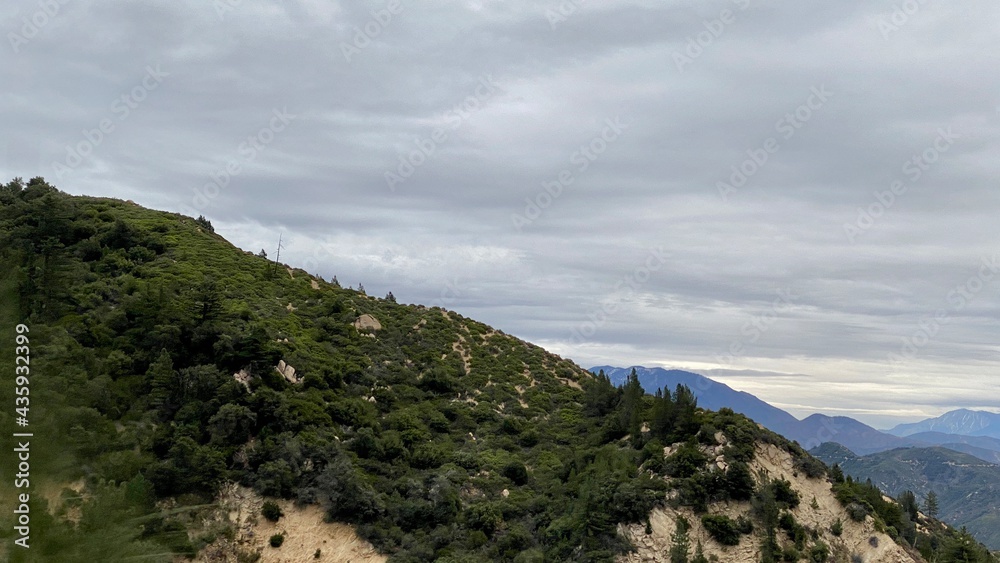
(303, 526)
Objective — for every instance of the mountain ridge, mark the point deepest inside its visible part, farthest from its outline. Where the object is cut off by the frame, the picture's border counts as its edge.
(963, 422)
(176, 365)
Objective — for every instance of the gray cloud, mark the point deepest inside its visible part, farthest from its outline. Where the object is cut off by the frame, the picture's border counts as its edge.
(866, 268)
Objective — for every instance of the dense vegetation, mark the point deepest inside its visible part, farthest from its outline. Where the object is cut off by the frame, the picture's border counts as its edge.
(967, 488)
(440, 438)
(899, 519)
(139, 320)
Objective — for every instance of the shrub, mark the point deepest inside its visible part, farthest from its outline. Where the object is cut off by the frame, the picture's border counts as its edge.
(812, 467)
(271, 511)
(516, 472)
(790, 553)
(785, 494)
(837, 528)
(819, 553)
(857, 511)
(277, 539)
(739, 481)
(706, 435)
(722, 528)
(686, 461)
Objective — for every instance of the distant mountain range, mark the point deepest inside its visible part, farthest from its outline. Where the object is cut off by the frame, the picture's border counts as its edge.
(963, 421)
(968, 488)
(956, 455)
(810, 432)
(969, 432)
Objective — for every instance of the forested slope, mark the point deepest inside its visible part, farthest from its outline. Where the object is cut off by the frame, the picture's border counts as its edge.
(166, 363)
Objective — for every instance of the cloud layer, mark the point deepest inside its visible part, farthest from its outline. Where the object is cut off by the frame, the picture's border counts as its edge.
(800, 196)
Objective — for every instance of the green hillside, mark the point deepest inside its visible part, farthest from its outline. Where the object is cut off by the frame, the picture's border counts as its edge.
(155, 352)
(967, 488)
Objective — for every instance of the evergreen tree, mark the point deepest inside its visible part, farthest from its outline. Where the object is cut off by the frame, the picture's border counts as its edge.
(908, 501)
(931, 504)
(680, 543)
(630, 407)
(663, 415)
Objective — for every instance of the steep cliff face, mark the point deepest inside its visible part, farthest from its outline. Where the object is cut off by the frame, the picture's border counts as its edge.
(858, 541)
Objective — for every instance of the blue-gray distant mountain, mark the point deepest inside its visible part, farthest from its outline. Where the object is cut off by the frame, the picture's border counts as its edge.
(983, 447)
(711, 394)
(811, 432)
(846, 431)
(963, 422)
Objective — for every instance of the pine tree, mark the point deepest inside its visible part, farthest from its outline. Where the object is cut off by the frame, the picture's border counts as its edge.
(931, 504)
(680, 543)
(631, 404)
(699, 554)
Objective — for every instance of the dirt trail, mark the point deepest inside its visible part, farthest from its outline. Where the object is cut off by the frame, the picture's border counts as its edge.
(460, 347)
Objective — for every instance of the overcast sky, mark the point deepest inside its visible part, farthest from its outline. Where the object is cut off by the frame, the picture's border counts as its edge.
(798, 198)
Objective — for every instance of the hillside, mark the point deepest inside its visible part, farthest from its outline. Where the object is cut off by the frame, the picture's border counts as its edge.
(983, 447)
(188, 397)
(968, 488)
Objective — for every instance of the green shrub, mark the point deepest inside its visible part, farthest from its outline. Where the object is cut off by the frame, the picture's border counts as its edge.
(739, 481)
(686, 461)
(812, 467)
(857, 511)
(790, 553)
(722, 528)
(819, 553)
(276, 540)
(516, 472)
(784, 494)
(837, 528)
(271, 511)
(744, 525)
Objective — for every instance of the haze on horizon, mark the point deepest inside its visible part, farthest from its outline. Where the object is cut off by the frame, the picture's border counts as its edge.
(780, 197)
